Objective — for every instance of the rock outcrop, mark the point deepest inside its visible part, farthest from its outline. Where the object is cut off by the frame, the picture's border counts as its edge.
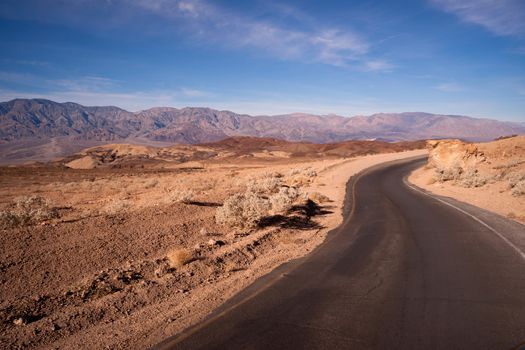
(477, 164)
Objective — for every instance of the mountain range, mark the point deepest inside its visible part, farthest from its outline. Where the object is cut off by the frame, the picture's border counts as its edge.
(29, 123)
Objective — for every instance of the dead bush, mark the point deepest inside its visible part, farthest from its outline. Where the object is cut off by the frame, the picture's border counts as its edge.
(514, 178)
(117, 206)
(462, 177)
(266, 184)
(308, 172)
(318, 197)
(448, 174)
(9, 219)
(184, 196)
(179, 257)
(283, 200)
(518, 189)
(243, 210)
(295, 171)
(28, 210)
(472, 178)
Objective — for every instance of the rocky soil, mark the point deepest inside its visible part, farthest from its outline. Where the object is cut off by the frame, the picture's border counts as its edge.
(91, 258)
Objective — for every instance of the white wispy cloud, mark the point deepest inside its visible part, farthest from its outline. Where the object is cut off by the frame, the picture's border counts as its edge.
(208, 22)
(449, 87)
(86, 83)
(284, 32)
(378, 65)
(502, 17)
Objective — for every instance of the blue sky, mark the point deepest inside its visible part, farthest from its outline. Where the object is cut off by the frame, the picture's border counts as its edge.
(268, 57)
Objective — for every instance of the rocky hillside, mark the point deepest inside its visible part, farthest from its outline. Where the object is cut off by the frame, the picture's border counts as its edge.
(489, 175)
(26, 124)
(478, 164)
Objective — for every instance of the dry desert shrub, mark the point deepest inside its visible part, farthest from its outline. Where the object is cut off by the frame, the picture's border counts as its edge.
(472, 178)
(514, 178)
(447, 174)
(243, 210)
(302, 176)
(117, 206)
(308, 172)
(283, 200)
(184, 196)
(9, 219)
(465, 178)
(267, 183)
(318, 197)
(179, 257)
(518, 189)
(265, 195)
(27, 211)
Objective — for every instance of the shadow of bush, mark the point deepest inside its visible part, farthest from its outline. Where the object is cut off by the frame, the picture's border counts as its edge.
(298, 217)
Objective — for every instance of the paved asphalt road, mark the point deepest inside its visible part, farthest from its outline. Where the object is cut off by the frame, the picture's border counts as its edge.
(404, 271)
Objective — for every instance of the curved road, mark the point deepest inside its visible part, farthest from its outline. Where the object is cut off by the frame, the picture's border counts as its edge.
(406, 272)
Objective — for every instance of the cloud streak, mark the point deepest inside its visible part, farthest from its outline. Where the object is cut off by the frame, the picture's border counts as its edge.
(501, 17)
(449, 87)
(204, 21)
(284, 32)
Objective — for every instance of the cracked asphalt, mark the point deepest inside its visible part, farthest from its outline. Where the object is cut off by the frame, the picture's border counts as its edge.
(404, 271)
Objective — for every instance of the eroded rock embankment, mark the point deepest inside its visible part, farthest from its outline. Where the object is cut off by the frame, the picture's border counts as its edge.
(490, 175)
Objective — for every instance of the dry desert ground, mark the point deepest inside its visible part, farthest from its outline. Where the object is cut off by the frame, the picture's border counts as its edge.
(122, 246)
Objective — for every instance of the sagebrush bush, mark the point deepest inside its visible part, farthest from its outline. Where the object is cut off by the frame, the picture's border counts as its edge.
(461, 177)
(514, 178)
(472, 178)
(448, 174)
(308, 172)
(9, 219)
(283, 200)
(246, 209)
(243, 210)
(179, 257)
(117, 206)
(184, 196)
(518, 189)
(318, 197)
(27, 211)
(267, 183)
